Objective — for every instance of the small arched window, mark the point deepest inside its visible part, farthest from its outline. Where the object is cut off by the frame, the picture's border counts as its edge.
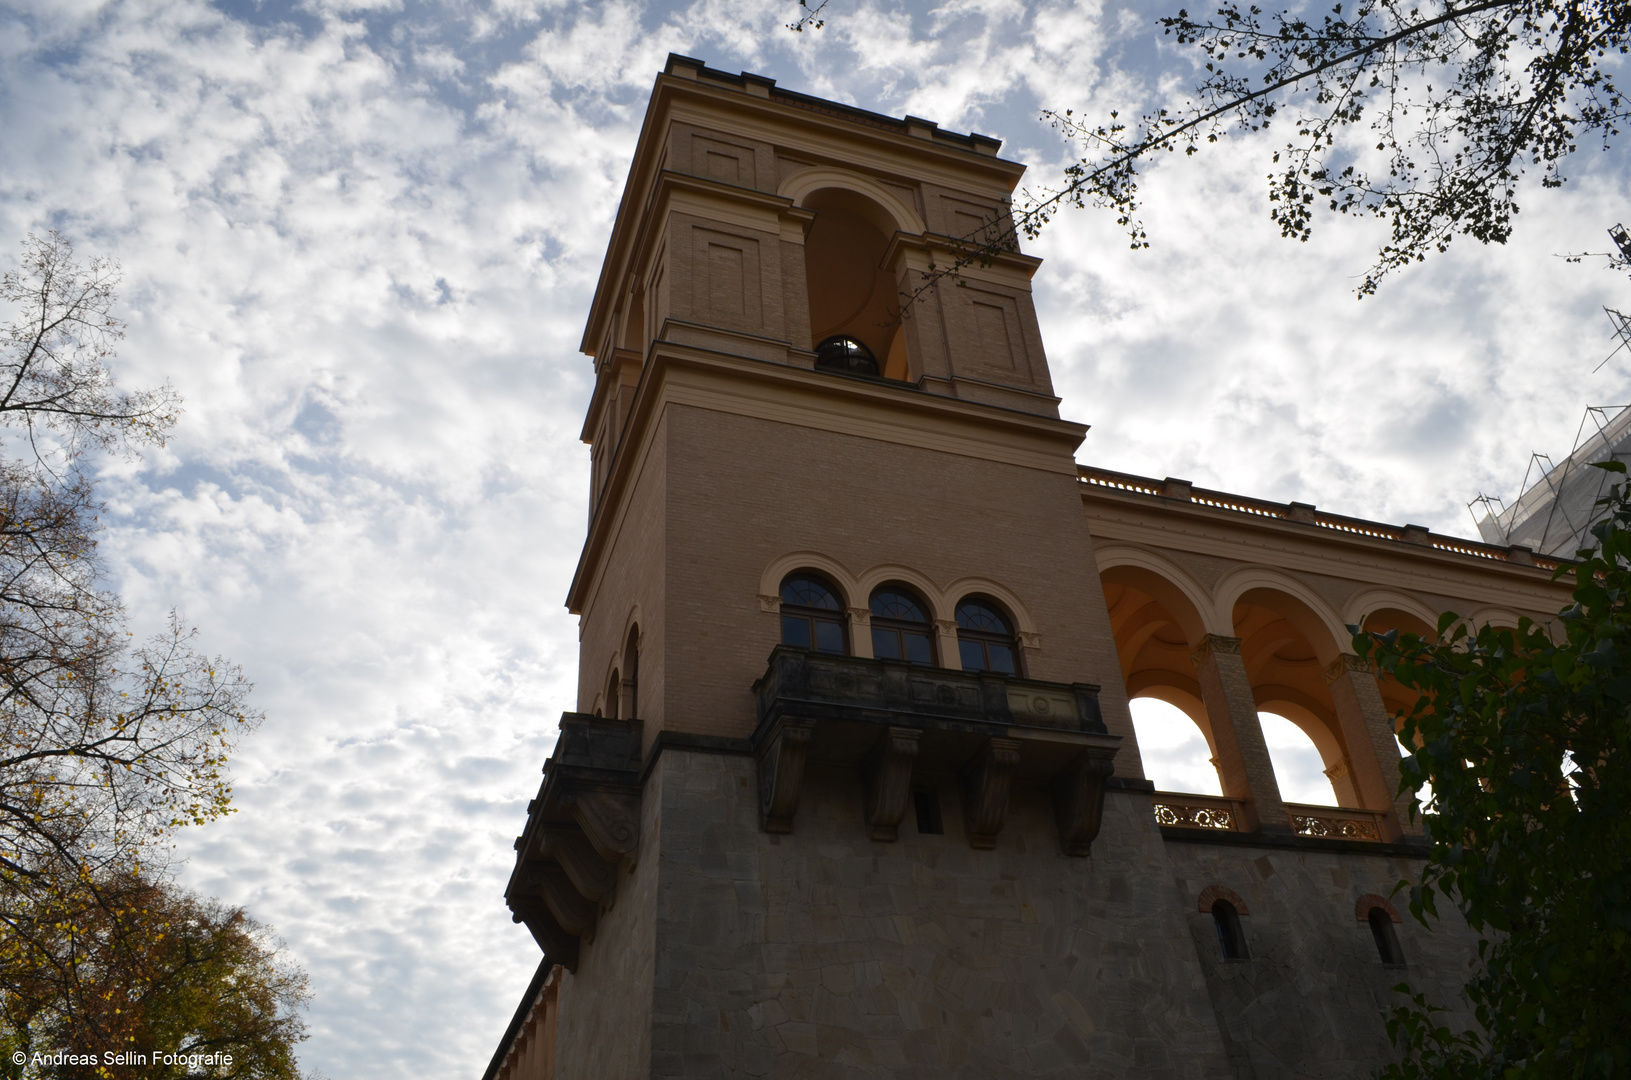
(845, 354)
(614, 688)
(631, 678)
(900, 629)
(985, 639)
(1387, 941)
(1226, 920)
(812, 615)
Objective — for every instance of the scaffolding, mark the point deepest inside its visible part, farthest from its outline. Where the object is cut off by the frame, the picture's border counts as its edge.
(1558, 505)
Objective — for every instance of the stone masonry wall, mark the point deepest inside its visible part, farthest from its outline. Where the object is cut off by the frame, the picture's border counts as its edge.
(1308, 1003)
(824, 954)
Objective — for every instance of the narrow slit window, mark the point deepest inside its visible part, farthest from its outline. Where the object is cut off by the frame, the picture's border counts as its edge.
(1387, 941)
(1226, 920)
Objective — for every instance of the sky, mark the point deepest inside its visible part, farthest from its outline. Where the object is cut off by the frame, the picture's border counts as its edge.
(360, 238)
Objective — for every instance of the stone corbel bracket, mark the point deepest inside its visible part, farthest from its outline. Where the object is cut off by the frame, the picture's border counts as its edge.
(985, 791)
(582, 829)
(887, 780)
(781, 773)
(1078, 796)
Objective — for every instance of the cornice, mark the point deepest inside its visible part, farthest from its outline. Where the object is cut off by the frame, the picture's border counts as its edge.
(1290, 545)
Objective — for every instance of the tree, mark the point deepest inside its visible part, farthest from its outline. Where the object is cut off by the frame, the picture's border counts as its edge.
(1526, 743)
(142, 968)
(101, 748)
(1424, 114)
(104, 748)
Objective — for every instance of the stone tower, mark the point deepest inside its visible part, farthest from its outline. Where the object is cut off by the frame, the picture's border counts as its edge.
(851, 787)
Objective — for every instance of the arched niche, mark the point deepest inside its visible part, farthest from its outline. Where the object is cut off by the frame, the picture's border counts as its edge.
(851, 293)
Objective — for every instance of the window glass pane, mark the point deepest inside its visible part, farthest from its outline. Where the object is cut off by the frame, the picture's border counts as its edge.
(897, 605)
(1002, 657)
(973, 655)
(796, 631)
(973, 615)
(917, 649)
(829, 636)
(808, 592)
(885, 644)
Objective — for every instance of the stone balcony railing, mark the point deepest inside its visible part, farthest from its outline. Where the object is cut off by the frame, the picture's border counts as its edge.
(1336, 822)
(891, 720)
(1213, 813)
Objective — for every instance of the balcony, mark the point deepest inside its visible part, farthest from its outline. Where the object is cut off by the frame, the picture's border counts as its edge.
(891, 721)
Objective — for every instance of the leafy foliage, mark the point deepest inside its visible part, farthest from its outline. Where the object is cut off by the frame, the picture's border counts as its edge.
(1449, 104)
(106, 748)
(1525, 739)
(137, 966)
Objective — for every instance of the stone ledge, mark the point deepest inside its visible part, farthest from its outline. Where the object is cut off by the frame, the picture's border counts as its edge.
(1289, 842)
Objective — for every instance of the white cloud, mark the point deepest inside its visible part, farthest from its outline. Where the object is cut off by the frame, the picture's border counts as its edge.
(361, 240)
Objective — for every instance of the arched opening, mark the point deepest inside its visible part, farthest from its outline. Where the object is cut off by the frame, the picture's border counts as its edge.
(613, 695)
(1286, 648)
(851, 295)
(1156, 629)
(1173, 748)
(1394, 695)
(1299, 768)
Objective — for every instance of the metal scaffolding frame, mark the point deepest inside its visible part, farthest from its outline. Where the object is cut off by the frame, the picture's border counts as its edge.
(1558, 505)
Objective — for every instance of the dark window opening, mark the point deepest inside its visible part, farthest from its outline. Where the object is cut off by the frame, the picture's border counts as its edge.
(847, 355)
(985, 641)
(631, 681)
(900, 629)
(926, 804)
(1387, 941)
(614, 687)
(812, 617)
(1226, 920)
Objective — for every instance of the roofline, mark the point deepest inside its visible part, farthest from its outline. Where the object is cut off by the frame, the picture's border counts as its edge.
(521, 1010)
(1171, 490)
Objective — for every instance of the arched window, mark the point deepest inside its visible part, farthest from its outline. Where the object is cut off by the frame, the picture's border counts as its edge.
(845, 354)
(631, 678)
(812, 615)
(614, 687)
(900, 629)
(1387, 942)
(985, 640)
(1226, 920)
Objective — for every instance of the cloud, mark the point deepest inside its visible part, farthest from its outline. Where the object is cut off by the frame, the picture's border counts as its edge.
(361, 241)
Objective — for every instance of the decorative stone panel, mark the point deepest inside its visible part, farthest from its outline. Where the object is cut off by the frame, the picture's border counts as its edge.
(583, 826)
(891, 721)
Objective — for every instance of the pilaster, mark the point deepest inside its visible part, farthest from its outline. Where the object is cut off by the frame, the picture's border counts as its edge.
(1242, 756)
(1373, 750)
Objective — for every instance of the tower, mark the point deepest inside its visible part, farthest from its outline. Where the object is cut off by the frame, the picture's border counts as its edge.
(851, 785)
